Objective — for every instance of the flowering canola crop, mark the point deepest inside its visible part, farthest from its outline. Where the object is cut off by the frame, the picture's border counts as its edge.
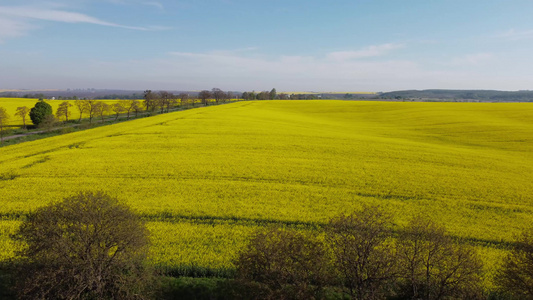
(11, 105)
(204, 179)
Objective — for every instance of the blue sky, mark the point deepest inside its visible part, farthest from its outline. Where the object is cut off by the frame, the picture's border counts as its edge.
(292, 45)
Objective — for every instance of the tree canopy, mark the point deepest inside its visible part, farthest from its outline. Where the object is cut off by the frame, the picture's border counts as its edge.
(39, 112)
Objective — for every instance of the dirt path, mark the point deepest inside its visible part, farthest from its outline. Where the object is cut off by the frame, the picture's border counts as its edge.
(16, 136)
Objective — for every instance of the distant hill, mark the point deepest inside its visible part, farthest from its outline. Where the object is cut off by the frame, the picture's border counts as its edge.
(461, 95)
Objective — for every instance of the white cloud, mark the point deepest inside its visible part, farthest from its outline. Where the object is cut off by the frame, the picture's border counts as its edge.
(516, 35)
(11, 28)
(288, 72)
(253, 71)
(155, 4)
(16, 21)
(28, 12)
(371, 51)
(472, 59)
(249, 70)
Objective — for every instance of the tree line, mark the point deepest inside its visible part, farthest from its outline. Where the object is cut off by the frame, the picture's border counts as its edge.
(273, 95)
(92, 246)
(42, 115)
(360, 258)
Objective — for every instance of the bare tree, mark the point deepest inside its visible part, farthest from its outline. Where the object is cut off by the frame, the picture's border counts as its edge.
(228, 96)
(82, 106)
(172, 101)
(4, 118)
(218, 94)
(102, 109)
(283, 264)
(63, 110)
(23, 112)
(92, 108)
(118, 108)
(165, 100)
(363, 252)
(184, 99)
(204, 96)
(515, 275)
(132, 105)
(150, 100)
(434, 266)
(137, 108)
(88, 246)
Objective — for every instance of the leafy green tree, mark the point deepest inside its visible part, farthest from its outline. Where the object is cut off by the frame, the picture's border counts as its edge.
(264, 95)
(273, 94)
(39, 112)
(87, 246)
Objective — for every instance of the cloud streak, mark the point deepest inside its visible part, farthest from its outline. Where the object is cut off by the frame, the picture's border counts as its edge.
(370, 51)
(11, 28)
(154, 4)
(234, 70)
(20, 13)
(516, 35)
(472, 59)
(289, 72)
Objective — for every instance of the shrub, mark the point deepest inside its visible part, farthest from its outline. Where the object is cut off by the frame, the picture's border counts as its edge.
(434, 266)
(515, 276)
(364, 253)
(48, 123)
(283, 264)
(88, 246)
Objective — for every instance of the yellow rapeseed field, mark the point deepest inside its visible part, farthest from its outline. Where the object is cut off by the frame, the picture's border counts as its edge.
(11, 104)
(204, 179)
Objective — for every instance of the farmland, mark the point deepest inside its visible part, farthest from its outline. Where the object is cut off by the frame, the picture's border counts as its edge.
(11, 104)
(204, 179)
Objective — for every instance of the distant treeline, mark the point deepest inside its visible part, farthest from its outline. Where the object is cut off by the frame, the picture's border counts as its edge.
(416, 95)
(460, 95)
